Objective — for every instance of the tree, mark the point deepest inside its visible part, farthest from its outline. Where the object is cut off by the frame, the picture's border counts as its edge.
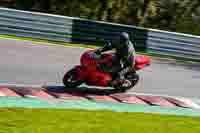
(172, 15)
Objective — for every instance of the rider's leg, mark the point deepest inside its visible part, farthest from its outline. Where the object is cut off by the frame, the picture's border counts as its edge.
(116, 67)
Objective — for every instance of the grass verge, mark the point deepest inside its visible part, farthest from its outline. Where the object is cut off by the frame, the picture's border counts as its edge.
(21, 120)
(47, 41)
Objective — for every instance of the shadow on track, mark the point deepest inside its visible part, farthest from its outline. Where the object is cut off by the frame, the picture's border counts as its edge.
(82, 90)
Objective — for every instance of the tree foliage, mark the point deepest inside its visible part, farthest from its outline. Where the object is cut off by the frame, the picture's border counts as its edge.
(171, 15)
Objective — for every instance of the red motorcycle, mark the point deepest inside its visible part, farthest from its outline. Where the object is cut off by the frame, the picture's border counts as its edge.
(89, 73)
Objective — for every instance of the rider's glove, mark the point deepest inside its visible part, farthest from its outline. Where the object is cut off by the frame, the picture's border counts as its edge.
(98, 52)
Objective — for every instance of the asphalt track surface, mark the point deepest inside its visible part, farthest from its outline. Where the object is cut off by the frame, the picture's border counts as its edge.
(31, 63)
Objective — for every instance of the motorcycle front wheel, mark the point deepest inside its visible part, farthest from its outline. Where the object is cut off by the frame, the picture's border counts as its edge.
(70, 80)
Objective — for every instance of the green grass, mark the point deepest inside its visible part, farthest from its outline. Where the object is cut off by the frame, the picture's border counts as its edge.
(79, 121)
(47, 41)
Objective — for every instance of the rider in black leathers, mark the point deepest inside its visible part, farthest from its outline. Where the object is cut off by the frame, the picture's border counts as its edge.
(124, 57)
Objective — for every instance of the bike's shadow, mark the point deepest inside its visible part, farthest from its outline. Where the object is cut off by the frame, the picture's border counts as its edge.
(83, 90)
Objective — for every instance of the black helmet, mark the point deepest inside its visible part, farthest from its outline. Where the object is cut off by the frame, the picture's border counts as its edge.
(124, 36)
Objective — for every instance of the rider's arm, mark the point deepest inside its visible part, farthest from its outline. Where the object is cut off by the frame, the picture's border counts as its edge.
(106, 47)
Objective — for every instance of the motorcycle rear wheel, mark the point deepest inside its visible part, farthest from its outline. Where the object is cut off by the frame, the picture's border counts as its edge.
(133, 79)
(69, 79)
